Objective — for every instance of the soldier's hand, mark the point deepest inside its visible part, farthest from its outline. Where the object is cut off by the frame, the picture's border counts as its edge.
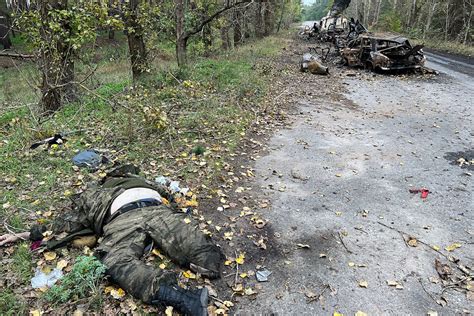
(12, 238)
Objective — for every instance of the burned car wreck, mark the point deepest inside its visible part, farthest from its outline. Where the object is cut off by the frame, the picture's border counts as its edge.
(383, 53)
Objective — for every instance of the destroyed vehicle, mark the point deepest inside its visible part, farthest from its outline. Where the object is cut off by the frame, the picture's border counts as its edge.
(331, 24)
(383, 53)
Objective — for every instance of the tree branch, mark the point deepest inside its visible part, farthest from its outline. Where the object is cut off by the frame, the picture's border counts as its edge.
(13, 55)
(209, 19)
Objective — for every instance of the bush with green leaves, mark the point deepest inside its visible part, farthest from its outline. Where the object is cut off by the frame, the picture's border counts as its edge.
(82, 281)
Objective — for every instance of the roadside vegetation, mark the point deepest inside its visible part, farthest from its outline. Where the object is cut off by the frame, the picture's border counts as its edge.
(179, 122)
(135, 97)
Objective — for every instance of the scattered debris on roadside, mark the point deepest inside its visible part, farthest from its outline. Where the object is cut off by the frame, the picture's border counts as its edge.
(57, 139)
(89, 159)
(313, 65)
(262, 275)
(424, 192)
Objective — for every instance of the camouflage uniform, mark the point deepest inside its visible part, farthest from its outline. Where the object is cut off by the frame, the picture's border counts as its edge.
(125, 237)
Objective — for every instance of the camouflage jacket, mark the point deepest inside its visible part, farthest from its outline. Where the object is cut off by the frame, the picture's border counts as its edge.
(91, 207)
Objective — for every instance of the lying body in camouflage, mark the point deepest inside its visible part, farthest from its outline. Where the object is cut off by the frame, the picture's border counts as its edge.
(125, 237)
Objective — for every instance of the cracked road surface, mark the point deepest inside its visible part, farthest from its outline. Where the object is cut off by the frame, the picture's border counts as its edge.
(338, 179)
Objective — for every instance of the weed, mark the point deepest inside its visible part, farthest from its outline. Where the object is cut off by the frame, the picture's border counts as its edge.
(21, 264)
(10, 304)
(82, 281)
(198, 150)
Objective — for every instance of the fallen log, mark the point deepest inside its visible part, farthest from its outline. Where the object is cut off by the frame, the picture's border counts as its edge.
(16, 55)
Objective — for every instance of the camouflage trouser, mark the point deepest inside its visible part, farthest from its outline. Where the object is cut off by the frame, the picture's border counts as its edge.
(126, 236)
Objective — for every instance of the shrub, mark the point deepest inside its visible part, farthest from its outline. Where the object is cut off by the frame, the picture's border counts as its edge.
(82, 281)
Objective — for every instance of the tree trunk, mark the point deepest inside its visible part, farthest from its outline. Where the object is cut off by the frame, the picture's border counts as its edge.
(56, 64)
(467, 26)
(136, 42)
(282, 13)
(181, 39)
(225, 29)
(207, 39)
(225, 38)
(269, 17)
(237, 24)
(259, 28)
(181, 52)
(446, 25)
(429, 17)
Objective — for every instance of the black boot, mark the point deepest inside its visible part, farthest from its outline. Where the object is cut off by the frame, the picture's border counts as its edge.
(191, 303)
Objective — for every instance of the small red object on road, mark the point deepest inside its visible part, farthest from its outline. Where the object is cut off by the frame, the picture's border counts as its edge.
(424, 192)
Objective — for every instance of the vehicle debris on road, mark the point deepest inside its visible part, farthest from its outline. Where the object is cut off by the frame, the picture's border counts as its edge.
(313, 65)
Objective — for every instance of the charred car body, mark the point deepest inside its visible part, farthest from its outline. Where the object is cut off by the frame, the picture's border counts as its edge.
(383, 53)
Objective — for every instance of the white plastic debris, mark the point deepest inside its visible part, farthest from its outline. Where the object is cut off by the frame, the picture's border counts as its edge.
(42, 279)
(161, 180)
(174, 186)
(262, 275)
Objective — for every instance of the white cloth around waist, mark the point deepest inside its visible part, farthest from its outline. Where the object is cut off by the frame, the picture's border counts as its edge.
(133, 195)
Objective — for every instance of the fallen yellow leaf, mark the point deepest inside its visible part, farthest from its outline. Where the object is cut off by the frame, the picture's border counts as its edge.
(337, 314)
(189, 275)
(228, 303)
(162, 266)
(187, 220)
(363, 284)
(117, 293)
(392, 283)
(359, 313)
(36, 312)
(351, 264)
(50, 255)
(169, 311)
(240, 259)
(243, 275)
(238, 288)
(249, 291)
(228, 235)
(453, 246)
(61, 264)
(192, 203)
(412, 242)
(46, 270)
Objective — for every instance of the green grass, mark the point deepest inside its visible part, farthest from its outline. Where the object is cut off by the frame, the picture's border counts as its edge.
(11, 304)
(448, 46)
(22, 262)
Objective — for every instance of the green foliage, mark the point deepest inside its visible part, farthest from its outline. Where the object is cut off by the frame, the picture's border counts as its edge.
(73, 26)
(391, 21)
(198, 150)
(315, 11)
(83, 281)
(10, 304)
(22, 262)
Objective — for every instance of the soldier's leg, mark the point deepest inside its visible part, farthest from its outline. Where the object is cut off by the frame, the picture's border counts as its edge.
(120, 251)
(183, 243)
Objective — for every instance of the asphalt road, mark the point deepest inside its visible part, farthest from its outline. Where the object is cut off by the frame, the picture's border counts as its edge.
(341, 173)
